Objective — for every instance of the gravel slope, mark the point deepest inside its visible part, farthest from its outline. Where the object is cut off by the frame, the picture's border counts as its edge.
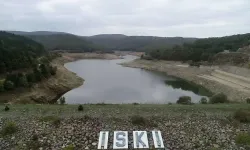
(201, 127)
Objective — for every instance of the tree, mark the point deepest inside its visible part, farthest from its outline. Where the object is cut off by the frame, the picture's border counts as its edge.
(8, 85)
(44, 70)
(2, 67)
(22, 80)
(1, 87)
(52, 70)
(62, 100)
(38, 75)
(31, 77)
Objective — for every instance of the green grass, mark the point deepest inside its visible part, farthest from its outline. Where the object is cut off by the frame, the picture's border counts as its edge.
(9, 128)
(55, 120)
(243, 139)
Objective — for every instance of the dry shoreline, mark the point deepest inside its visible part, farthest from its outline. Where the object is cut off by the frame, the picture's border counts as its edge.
(48, 91)
(191, 74)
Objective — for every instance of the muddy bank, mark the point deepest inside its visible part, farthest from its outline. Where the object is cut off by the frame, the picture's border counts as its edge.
(191, 74)
(68, 57)
(48, 91)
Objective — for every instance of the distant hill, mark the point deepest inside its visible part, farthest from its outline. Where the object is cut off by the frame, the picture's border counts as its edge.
(204, 49)
(136, 43)
(102, 42)
(59, 40)
(18, 52)
(36, 32)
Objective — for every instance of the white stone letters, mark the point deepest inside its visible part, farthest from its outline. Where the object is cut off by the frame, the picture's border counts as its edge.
(120, 140)
(140, 140)
(158, 142)
(103, 140)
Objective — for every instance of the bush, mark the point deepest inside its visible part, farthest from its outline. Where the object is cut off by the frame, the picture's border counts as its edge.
(203, 100)
(1, 86)
(8, 85)
(195, 64)
(80, 108)
(62, 100)
(9, 128)
(186, 100)
(53, 70)
(242, 116)
(138, 120)
(248, 100)
(6, 108)
(243, 139)
(218, 98)
(69, 147)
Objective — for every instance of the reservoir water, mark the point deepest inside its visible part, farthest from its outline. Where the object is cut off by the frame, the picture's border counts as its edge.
(108, 82)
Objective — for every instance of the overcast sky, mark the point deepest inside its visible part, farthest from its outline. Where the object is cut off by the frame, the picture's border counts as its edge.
(188, 18)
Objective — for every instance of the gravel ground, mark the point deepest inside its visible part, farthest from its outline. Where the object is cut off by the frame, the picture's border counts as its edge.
(54, 127)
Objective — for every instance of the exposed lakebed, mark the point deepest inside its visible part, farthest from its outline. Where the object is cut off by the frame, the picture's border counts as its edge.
(108, 82)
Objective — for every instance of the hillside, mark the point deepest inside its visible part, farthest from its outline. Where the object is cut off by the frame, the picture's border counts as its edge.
(136, 43)
(102, 42)
(59, 40)
(18, 52)
(203, 49)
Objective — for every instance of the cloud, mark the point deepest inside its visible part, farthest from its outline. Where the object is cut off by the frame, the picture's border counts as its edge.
(189, 18)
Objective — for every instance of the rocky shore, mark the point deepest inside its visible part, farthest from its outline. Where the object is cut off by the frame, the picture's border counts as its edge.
(191, 74)
(63, 127)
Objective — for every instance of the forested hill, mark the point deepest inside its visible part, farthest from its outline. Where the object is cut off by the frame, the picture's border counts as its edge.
(203, 49)
(59, 40)
(18, 52)
(137, 43)
(102, 42)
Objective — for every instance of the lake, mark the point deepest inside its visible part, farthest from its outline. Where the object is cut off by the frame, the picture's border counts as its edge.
(108, 82)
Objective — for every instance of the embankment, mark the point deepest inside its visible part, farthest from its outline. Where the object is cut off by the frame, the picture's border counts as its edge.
(196, 75)
(48, 91)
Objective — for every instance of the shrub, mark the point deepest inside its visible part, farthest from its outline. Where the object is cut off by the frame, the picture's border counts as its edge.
(135, 103)
(54, 119)
(80, 108)
(195, 64)
(169, 103)
(242, 115)
(218, 98)
(186, 100)
(1, 86)
(62, 100)
(138, 120)
(8, 85)
(69, 147)
(9, 128)
(243, 138)
(6, 108)
(203, 100)
(248, 100)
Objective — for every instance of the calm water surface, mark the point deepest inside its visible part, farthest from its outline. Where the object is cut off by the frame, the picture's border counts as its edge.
(108, 82)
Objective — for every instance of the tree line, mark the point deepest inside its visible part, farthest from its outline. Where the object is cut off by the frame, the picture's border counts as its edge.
(23, 62)
(21, 79)
(17, 52)
(202, 49)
